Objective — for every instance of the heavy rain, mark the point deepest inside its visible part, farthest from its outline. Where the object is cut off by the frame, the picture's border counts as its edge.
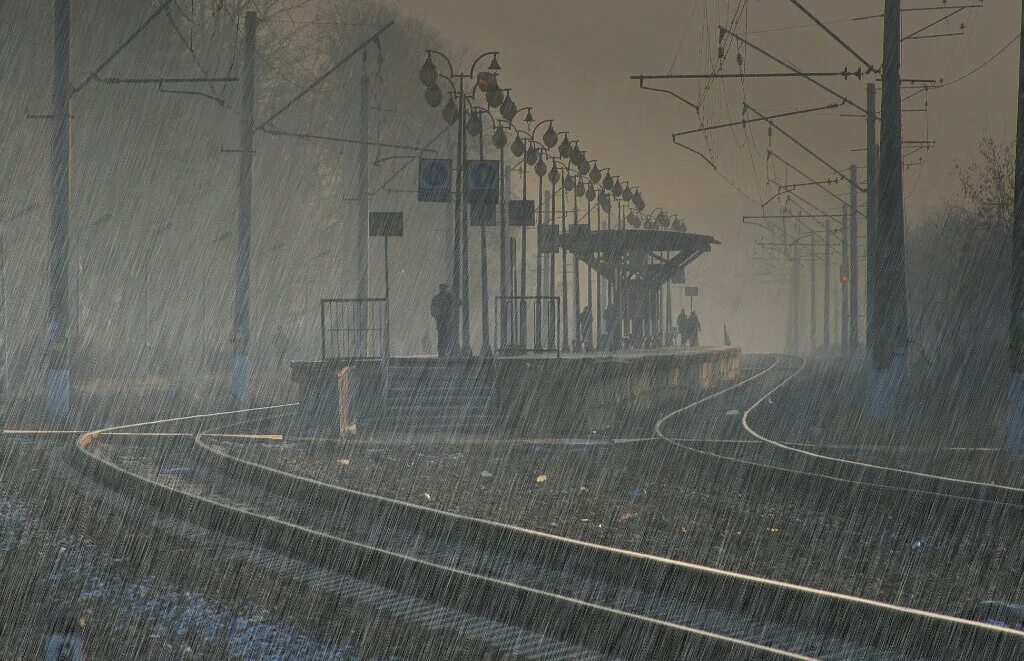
(409, 329)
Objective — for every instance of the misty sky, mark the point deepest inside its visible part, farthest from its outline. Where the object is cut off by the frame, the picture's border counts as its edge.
(572, 59)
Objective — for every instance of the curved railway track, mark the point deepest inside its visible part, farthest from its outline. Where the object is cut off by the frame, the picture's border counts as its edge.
(521, 591)
(757, 451)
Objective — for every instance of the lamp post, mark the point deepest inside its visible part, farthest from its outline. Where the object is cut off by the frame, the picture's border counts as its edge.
(456, 110)
(554, 175)
(534, 156)
(518, 149)
(499, 141)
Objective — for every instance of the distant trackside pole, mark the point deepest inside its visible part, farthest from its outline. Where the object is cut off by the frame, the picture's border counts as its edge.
(58, 372)
(1015, 401)
(242, 367)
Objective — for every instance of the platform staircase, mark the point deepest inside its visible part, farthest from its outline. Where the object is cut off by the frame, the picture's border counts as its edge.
(438, 398)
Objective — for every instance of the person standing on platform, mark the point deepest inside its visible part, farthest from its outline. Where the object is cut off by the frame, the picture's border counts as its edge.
(683, 324)
(442, 309)
(694, 330)
(586, 330)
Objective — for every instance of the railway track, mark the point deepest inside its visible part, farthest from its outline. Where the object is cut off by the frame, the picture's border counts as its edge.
(744, 445)
(519, 591)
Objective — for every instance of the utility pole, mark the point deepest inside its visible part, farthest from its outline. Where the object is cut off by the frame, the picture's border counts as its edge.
(814, 295)
(871, 332)
(58, 374)
(1015, 401)
(889, 358)
(599, 312)
(844, 282)
(464, 225)
(241, 374)
(795, 295)
(854, 261)
(826, 331)
(363, 221)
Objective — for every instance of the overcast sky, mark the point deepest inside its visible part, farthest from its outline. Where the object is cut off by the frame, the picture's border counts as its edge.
(572, 60)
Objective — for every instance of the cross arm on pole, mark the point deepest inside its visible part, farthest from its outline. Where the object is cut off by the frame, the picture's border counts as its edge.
(836, 37)
(724, 30)
(807, 149)
(375, 38)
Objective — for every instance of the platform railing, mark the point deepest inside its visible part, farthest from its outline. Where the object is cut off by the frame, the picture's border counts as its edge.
(354, 328)
(533, 324)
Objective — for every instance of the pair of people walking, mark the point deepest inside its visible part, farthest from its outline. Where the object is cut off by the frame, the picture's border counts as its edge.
(689, 329)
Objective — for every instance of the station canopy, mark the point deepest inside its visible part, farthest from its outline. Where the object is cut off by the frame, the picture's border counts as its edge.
(648, 258)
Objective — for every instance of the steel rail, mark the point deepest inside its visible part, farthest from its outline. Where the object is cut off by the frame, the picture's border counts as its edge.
(742, 591)
(241, 520)
(987, 486)
(687, 444)
(513, 530)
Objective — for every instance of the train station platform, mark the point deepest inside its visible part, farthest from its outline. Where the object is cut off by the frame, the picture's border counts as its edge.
(529, 395)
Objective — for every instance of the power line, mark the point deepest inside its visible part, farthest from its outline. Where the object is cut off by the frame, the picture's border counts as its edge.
(355, 51)
(835, 36)
(761, 118)
(841, 97)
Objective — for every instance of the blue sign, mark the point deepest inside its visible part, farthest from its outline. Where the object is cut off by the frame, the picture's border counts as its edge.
(482, 182)
(520, 213)
(435, 180)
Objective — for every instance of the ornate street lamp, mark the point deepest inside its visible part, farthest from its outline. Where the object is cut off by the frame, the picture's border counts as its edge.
(454, 111)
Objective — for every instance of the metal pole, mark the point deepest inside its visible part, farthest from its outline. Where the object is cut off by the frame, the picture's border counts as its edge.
(576, 275)
(3, 316)
(387, 304)
(871, 330)
(599, 313)
(788, 254)
(240, 383)
(590, 291)
(617, 294)
(814, 296)
(540, 264)
(485, 341)
(464, 220)
(522, 271)
(457, 248)
(504, 240)
(854, 264)
(668, 313)
(58, 375)
(552, 340)
(363, 221)
(844, 283)
(826, 330)
(890, 280)
(565, 282)
(796, 297)
(1015, 402)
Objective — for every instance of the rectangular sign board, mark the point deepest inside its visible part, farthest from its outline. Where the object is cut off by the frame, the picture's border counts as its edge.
(435, 180)
(520, 213)
(482, 182)
(482, 214)
(577, 232)
(386, 223)
(690, 291)
(548, 238)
